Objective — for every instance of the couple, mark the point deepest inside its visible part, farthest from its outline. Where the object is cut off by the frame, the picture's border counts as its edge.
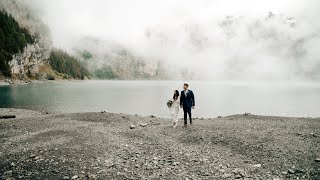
(185, 101)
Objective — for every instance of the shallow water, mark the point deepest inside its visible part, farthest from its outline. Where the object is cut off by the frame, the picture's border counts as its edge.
(150, 97)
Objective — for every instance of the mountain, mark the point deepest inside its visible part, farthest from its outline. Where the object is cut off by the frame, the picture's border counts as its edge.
(32, 56)
(27, 51)
(109, 60)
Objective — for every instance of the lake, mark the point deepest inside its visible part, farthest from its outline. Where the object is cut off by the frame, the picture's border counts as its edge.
(150, 97)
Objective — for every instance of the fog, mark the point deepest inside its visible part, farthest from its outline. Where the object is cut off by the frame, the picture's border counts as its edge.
(212, 39)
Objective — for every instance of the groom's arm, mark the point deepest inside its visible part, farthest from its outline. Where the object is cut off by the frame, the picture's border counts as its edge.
(192, 98)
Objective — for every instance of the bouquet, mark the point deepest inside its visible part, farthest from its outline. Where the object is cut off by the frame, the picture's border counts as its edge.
(169, 103)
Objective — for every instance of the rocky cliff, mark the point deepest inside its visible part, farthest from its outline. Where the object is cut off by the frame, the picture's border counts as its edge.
(28, 63)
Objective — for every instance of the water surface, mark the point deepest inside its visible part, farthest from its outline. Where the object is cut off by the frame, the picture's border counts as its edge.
(150, 97)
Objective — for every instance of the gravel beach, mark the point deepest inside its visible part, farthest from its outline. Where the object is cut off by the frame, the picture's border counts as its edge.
(104, 145)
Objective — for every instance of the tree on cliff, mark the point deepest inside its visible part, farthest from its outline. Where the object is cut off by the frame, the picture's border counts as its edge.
(13, 39)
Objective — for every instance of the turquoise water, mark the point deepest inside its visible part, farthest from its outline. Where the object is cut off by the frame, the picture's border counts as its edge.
(150, 97)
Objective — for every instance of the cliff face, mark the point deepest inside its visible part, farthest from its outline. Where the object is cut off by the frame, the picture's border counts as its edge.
(27, 64)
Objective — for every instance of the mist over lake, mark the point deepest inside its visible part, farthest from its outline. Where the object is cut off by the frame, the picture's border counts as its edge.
(150, 97)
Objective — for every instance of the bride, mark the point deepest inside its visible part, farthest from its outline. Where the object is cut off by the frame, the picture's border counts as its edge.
(174, 109)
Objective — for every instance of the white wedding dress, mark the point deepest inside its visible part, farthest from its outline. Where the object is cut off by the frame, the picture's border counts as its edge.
(174, 110)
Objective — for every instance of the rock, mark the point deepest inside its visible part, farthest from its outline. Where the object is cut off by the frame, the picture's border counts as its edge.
(247, 114)
(7, 173)
(103, 111)
(132, 126)
(238, 171)
(238, 176)
(12, 164)
(219, 116)
(143, 124)
(277, 178)
(152, 116)
(313, 134)
(75, 177)
(226, 175)
(91, 177)
(256, 165)
(284, 172)
(7, 116)
(176, 163)
(65, 177)
(300, 171)
(317, 160)
(33, 156)
(291, 171)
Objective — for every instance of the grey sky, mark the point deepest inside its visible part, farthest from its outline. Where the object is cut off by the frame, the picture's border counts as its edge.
(169, 29)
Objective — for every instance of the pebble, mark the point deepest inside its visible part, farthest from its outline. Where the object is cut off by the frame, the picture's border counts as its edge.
(12, 164)
(176, 163)
(256, 165)
(317, 160)
(32, 156)
(75, 177)
(92, 177)
(65, 177)
(238, 176)
(226, 175)
(132, 126)
(143, 124)
(8, 172)
(291, 171)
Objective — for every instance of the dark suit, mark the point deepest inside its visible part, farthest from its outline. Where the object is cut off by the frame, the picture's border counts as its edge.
(187, 101)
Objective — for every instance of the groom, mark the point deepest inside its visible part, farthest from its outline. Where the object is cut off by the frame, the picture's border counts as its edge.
(187, 102)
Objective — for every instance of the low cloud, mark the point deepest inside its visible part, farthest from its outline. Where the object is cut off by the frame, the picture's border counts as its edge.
(211, 39)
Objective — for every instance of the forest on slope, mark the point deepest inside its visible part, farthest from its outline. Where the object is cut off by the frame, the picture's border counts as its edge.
(13, 39)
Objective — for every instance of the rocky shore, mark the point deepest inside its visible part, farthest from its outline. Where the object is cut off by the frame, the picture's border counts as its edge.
(118, 146)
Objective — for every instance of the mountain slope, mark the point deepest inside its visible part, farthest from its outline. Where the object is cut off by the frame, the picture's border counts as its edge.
(26, 47)
(13, 39)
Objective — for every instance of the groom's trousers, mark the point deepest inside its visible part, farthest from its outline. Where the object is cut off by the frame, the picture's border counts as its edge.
(186, 111)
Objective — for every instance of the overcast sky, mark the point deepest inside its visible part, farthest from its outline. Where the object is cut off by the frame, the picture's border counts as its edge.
(128, 19)
(128, 22)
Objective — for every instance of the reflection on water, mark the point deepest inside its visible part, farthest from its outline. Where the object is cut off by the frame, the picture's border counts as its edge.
(150, 97)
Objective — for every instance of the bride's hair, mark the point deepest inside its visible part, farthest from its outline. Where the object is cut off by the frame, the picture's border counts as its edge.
(176, 95)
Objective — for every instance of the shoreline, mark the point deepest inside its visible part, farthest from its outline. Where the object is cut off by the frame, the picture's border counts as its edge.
(101, 145)
(21, 112)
